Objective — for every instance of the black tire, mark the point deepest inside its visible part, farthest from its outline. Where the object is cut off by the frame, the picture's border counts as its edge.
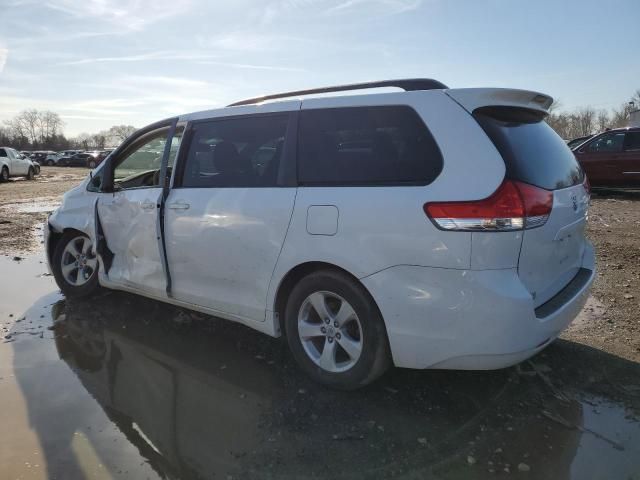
(4, 174)
(31, 174)
(70, 290)
(50, 163)
(374, 358)
(91, 164)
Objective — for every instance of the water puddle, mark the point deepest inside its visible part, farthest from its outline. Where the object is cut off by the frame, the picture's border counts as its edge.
(120, 386)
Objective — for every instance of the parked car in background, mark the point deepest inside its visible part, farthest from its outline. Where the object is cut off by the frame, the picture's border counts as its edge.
(348, 222)
(77, 160)
(612, 159)
(40, 157)
(98, 157)
(14, 164)
(578, 141)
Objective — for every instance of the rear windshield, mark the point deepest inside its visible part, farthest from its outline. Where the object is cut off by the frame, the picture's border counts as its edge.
(532, 151)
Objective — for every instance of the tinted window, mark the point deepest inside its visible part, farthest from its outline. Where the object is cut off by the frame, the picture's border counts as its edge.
(236, 152)
(3, 153)
(611, 142)
(532, 151)
(632, 141)
(387, 145)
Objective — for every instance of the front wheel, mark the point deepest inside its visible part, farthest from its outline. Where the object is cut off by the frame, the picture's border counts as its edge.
(50, 163)
(91, 164)
(31, 174)
(4, 174)
(74, 266)
(335, 331)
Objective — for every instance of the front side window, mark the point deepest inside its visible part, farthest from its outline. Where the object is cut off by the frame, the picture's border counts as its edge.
(3, 152)
(385, 145)
(236, 152)
(142, 159)
(607, 143)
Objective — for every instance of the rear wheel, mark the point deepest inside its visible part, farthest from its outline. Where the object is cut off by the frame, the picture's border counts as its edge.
(50, 163)
(74, 266)
(4, 174)
(91, 163)
(335, 331)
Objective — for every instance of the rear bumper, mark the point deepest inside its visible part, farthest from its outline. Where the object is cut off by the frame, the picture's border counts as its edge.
(473, 320)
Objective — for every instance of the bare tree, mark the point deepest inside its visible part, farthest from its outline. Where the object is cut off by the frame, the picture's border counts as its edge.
(602, 120)
(121, 132)
(99, 140)
(585, 124)
(50, 125)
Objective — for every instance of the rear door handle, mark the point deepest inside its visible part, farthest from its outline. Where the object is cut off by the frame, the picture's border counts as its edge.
(148, 206)
(178, 206)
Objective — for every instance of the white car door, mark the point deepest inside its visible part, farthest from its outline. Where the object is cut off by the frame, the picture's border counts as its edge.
(19, 165)
(228, 212)
(129, 216)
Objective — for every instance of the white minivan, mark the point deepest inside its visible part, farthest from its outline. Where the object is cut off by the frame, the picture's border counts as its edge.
(424, 228)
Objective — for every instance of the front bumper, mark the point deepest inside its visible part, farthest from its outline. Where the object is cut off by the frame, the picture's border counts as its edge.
(469, 319)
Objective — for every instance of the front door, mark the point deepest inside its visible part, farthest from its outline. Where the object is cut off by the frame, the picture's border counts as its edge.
(600, 159)
(629, 164)
(19, 164)
(228, 213)
(129, 216)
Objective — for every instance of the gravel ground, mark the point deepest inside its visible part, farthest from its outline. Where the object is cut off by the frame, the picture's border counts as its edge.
(24, 206)
(611, 322)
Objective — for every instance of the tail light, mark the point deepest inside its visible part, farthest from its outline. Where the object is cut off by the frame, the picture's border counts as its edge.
(513, 206)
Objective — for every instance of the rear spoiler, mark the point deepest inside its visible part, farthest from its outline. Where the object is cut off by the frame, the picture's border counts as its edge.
(473, 98)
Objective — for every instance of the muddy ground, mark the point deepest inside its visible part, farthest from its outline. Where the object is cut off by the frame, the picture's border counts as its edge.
(125, 387)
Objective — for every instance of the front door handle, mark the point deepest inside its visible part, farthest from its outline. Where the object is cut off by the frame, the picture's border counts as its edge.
(178, 206)
(148, 206)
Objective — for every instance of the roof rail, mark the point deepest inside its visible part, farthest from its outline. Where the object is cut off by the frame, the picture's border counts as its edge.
(407, 84)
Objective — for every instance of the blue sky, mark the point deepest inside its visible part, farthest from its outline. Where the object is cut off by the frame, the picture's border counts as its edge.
(100, 62)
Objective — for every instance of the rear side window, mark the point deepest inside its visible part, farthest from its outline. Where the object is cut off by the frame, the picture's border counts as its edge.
(532, 151)
(632, 141)
(236, 152)
(386, 145)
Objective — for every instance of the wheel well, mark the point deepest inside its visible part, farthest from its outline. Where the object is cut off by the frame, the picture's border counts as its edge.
(294, 275)
(54, 238)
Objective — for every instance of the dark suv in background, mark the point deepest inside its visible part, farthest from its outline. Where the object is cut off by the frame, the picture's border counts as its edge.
(612, 158)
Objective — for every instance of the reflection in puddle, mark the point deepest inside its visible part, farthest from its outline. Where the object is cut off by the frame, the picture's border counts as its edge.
(124, 387)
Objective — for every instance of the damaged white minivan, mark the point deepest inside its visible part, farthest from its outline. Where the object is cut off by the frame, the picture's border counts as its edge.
(422, 228)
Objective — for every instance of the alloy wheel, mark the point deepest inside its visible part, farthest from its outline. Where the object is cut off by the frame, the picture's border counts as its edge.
(78, 264)
(330, 331)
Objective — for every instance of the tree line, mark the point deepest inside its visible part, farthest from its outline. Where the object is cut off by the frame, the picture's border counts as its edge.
(587, 120)
(43, 130)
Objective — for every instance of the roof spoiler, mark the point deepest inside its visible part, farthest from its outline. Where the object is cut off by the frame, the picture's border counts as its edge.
(473, 98)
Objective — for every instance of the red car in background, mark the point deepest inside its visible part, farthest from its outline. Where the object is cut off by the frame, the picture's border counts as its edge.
(612, 159)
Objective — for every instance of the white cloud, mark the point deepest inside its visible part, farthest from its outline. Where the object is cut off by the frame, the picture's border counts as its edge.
(273, 11)
(4, 54)
(129, 14)
(161, 55)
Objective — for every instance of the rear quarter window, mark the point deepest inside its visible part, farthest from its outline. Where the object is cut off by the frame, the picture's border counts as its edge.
(532, 151)
(366, 146)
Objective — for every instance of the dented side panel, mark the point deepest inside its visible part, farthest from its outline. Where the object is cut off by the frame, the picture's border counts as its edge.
(129, 222)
